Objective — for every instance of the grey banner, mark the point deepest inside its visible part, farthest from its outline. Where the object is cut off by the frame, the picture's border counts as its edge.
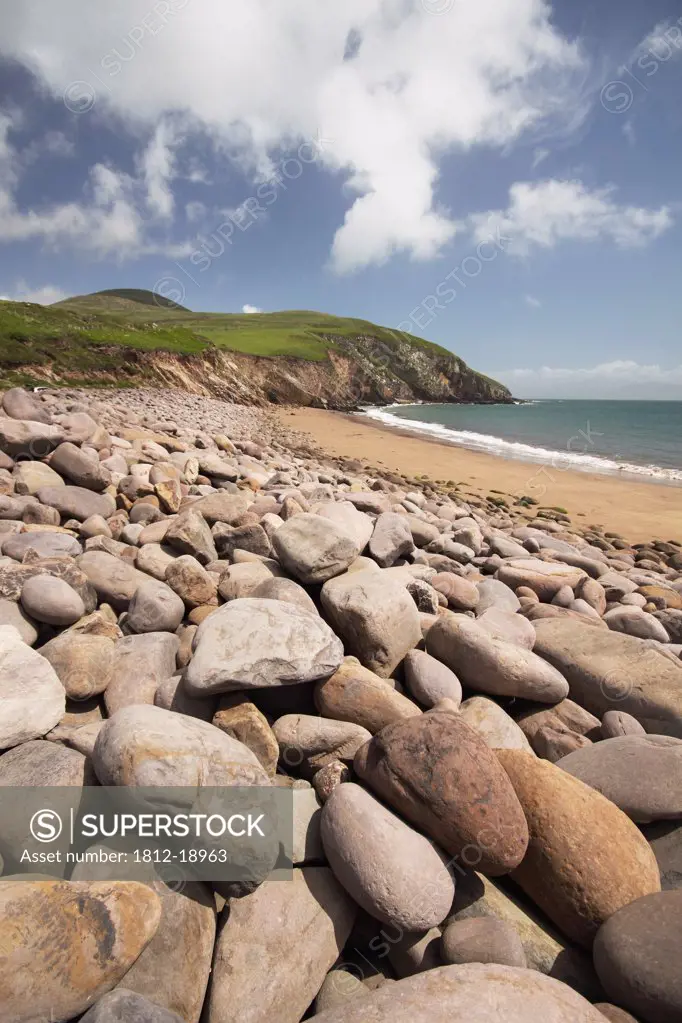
(221, 835)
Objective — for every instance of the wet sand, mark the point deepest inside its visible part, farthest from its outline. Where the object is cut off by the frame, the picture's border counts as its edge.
(640, 511)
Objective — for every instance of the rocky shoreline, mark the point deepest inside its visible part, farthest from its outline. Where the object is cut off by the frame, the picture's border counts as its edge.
(476, 711)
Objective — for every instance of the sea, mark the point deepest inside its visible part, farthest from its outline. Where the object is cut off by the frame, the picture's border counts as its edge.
(636, 439)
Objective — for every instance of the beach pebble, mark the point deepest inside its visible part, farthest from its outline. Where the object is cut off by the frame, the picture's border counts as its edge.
(491, 665)
(155, 608)
(123, 1006)
(314, 549)
(498, 728)
(229, 652)
(482, 940)
(586, 859)
(375, 616)
(32, 699)
(353, 693)
(391, 539)
(642, 774)
(636, 956)
(421, 768)
(383, 864)
(429, 681)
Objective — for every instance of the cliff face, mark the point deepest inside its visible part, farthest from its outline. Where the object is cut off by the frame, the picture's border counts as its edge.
(357, 371)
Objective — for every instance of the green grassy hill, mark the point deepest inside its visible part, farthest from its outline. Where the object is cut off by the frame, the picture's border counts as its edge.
(80, 338)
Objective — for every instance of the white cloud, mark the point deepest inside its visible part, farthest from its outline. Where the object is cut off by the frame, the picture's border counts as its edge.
(157, 164)
(622, 377)
(541, 214)
(251, 309)
(259, 76)
(629, 131)
(21, 292)
(539, 156)
(195, 211)
(115, 218)
(532, 301)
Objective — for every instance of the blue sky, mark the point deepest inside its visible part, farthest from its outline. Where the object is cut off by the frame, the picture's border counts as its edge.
(500, 176)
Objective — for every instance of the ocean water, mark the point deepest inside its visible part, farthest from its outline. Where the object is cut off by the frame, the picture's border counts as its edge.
(630, 438)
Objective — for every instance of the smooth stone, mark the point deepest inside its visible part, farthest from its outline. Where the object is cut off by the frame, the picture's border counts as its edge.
(21, 438)
(617, 722)
(375, 616)
(84, 663)
(585, 859)
(154, 559)
(155, 607)
(635, 622)
(665, 838)
(32, 699)
(29, 477)
(45, 543)
(345, 515)
(114, 580)
(545, 948)
(287, 590)
(171, 695)
(473, 993)
(13, 614)
(80, 468)
(613, 1013)
(326, 779)
(508, 627)
(66, 944)
(19, 403)
(412, 952)
(344, 983)
(390, 870)
(242, 580)
(636, 954)
(39, 764)
(391, 539)
(610, 671)
(141, 664)
(423, 767)
(543, 577)
(124, 1006)
(353, 693)
(494, 593)
(148, 746)
(482, 940)
(76, 502)
(51, 600)
(460, 594)
(491, 665)
(430, 681)
(671, 620)
(307, 819)
(498, 728)
(317, 741)
(264, 938)
(314, 549)
(255, 643)
(222, 507)
(641, 774)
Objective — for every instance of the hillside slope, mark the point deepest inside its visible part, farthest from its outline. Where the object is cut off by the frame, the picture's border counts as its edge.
(294, 357)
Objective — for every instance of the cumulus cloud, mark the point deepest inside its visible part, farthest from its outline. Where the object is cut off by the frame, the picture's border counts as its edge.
(22, 292)
(115, 219)
(622, 378)
(541, 214)
(251, 309)
(393, 85)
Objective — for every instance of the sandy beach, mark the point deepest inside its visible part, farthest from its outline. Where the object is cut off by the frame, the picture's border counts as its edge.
(640, 511)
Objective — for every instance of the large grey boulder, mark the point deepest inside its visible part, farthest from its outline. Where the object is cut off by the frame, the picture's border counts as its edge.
(32, 699)
(48, 599)
(375, 616)
(430, 681)
(76, 502)
(148, 746)
(114, 580)
(387, 867)
(45, 543)
(391, 539)
(81, 468)
(20, 404)
(13, 614)
(642, 774)
(544, 577)
(189, 533)
(30, 476)
(314, 741)
(313, 548)
(275, 946)
(155, 608)
(84, 663)
(21, 438)
(256, 643)
(345, 515)
(474, 993)
(491, 665)
(610, 671)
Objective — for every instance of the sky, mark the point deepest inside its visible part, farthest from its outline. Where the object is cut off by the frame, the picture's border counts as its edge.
(499, 176)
